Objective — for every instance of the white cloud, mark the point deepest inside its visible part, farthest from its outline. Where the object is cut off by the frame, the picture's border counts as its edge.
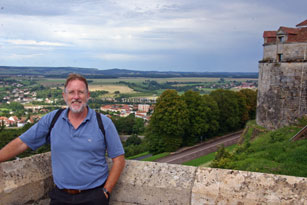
(136, 30)
(15, 56)
(34, 43)
(129, 57)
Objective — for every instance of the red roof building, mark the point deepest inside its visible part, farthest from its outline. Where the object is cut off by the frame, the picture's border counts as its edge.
(269, 36)
(302, 24)
(287, 34)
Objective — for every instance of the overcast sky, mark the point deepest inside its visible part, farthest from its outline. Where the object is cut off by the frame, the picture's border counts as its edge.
(161, 35)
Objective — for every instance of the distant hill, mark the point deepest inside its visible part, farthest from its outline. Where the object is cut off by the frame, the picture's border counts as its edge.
(62, 72)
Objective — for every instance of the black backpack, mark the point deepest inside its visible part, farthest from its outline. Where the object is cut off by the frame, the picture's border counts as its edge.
(57, 115)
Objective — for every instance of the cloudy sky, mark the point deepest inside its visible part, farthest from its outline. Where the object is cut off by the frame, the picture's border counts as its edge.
(163, 35)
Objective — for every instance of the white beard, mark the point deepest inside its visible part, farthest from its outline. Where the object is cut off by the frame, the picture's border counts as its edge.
(78, 110)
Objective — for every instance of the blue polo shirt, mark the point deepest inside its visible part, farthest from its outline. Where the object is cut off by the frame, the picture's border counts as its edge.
(77, 155)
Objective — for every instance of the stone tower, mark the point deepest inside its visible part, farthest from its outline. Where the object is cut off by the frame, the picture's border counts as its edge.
(282, 91)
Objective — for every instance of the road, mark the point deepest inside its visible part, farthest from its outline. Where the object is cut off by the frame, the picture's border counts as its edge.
(201, 149)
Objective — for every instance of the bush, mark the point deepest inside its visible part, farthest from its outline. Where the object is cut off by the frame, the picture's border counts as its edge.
(132, 150)
(134, 145)
(133, 140)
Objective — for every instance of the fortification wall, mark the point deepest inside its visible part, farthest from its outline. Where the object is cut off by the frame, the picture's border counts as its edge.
(291, 51)
(282, 93)
(26, 181)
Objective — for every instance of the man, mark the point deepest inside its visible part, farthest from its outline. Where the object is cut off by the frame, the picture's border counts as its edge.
(79, 167)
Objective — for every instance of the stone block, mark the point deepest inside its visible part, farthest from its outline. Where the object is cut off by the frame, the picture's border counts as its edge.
(222, 186)
(154, 183)
(25, 180)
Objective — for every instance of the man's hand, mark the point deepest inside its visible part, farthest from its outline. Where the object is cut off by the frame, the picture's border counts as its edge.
(117, 168)
(106, 193)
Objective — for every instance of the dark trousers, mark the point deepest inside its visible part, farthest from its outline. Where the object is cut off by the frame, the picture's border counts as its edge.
(89, 197)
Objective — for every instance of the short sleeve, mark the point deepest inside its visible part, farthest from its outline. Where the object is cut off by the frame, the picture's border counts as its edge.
(35, 136)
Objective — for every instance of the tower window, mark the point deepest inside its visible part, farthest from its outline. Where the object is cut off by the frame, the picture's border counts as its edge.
(280, 57)
(281, 39)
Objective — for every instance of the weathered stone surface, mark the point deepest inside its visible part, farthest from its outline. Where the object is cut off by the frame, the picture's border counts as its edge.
(291, 51)
(282, 90)
(154, 183)
(282, 93)
(25, 180)
(221, 186)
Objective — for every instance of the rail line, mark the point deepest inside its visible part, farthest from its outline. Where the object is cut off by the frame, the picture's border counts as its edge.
(201, 149)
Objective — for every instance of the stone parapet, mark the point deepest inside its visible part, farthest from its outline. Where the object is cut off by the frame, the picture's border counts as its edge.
(26, 181)
(154, 183)
(221, 186)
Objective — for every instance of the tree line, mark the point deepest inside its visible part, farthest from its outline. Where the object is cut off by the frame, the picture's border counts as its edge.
(188, 119)
(178, 120)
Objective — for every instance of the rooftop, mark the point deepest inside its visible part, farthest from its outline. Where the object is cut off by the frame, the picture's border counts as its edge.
(304, 23)
(298, 34)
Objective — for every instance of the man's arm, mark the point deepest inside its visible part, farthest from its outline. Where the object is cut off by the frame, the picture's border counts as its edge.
(117, 168)
(12, 149)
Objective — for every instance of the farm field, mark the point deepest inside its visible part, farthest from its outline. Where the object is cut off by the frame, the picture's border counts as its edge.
(59, 81)
(164, 80)
(111, 88)
(137, 87)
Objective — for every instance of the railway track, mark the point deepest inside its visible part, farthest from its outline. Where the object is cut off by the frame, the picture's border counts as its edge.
(201, 149)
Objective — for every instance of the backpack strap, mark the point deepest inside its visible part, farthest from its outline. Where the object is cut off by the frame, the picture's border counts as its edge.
(54, 119)
(57, 115)
(100, 124)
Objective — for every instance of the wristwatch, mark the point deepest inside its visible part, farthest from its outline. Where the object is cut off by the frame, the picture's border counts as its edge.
(106, 191)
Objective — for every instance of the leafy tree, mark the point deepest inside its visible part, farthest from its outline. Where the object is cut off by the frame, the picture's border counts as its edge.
(128, 125)
(229, 110)
(243, 112)
(124, 124)
(134, 145)
(95, 103)
(251, 102)
(139, 126)
(97, 93)
(202, 117)
(133, 140)
(212, 114)
(49, 93)
(2, 125)
(14, 106)
(168, 122)
(36, 88)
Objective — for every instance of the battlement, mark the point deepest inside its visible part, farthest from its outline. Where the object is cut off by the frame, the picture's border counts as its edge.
(27, 180)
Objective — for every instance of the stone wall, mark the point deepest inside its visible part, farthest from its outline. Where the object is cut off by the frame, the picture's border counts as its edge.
(282, 90)
(282, 93)
(27, 180)
(290, 51)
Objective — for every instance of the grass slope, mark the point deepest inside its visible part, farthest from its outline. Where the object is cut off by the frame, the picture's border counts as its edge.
(268, 152)
(206, 159)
